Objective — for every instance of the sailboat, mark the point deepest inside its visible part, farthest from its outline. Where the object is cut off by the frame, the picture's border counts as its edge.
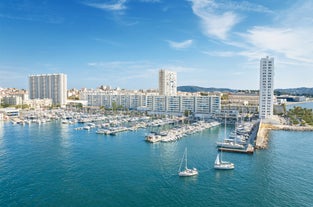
(186, 172)
(222, 165)
(219, 164)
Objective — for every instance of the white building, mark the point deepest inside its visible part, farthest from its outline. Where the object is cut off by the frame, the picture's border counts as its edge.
(266, 97)
(13, 100)
(49, 86)
(39, 103)
(156, 103)
(167, 83)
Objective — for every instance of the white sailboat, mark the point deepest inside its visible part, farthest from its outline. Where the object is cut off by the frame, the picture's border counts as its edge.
(222, 165)
(219, 164)
(186, 171)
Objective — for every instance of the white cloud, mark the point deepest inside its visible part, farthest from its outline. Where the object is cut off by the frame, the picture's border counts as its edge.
(116, 6)
(292, 43)
(180, 45)
(288, 39)
(214, 23)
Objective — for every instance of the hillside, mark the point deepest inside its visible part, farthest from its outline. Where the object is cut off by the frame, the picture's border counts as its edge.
(295, 91)
(289, 91)
(202, 89)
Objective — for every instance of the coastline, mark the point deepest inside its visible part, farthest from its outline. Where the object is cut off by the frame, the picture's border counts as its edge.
(264, 129)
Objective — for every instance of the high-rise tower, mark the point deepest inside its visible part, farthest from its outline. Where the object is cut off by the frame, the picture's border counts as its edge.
(50, 86)
(266, 97)
(167, 83)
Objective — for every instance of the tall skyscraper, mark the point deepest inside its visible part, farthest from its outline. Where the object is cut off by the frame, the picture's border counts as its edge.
(49, 86)
(167, 83)
(266, 97)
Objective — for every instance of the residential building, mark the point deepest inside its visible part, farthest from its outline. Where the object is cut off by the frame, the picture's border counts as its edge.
(266, 96)
(158, 104)
(49, 86)
(12, 100)
(167, 83)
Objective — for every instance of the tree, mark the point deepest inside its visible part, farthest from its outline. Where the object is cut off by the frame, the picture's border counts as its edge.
(187, 113)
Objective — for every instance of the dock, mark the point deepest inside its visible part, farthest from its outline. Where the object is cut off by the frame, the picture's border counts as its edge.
(249, 144)
(248, 150)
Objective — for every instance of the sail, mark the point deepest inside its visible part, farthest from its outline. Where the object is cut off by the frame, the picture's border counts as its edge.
(218, 159)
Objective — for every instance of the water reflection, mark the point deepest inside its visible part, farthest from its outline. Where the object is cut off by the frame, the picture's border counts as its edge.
(65, 140)
(1, 131)
(2, 151)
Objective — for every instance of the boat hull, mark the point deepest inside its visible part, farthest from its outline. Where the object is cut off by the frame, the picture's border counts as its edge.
(224, 166)
(188, 173)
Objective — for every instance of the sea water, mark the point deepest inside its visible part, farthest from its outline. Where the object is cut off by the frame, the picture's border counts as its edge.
(54, 165)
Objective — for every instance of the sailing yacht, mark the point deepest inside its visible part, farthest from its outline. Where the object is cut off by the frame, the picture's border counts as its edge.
(186, 172)
(219, 163)
(222, 165)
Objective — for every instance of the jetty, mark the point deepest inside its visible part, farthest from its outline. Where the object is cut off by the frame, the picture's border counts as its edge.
(265, 128)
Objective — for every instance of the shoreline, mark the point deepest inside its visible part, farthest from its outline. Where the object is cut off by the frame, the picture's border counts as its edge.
(265, 128)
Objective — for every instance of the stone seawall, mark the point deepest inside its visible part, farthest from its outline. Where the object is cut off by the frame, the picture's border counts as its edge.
(264, 129)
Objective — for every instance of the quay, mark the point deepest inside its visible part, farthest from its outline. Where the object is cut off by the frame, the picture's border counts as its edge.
(248, 150)
(242, 139)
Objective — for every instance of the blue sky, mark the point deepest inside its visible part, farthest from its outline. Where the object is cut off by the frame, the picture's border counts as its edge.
(124, 43)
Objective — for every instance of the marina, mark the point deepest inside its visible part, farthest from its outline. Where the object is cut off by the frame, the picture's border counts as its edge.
(242, 139)
(53, 163)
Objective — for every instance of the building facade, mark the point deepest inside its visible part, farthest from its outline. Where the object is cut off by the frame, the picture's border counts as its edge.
(12, 100)
(157, 103)
(49, 86)
(266, 96)
(167, 83)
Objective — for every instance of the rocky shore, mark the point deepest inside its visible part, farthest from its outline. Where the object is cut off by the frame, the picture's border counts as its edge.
(265, 128)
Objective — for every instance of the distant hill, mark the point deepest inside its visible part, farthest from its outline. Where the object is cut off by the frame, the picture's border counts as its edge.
(289, 91)
(295, 91)
(193, 89)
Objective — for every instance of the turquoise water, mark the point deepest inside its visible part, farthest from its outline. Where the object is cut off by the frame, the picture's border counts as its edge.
(54, 165)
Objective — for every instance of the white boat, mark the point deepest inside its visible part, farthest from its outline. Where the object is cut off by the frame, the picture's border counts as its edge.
(219, 164)
(231, 145)
(222, 165)
(186, 172)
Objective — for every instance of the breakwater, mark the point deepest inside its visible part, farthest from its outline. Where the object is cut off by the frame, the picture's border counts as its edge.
(264, 129)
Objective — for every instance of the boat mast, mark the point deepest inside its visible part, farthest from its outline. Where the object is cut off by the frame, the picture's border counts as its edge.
(186, 158)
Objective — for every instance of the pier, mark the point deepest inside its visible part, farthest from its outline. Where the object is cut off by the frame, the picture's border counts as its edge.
(248, 131)
(248, 150)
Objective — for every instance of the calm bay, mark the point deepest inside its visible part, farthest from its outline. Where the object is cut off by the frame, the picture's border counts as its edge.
(54, 165)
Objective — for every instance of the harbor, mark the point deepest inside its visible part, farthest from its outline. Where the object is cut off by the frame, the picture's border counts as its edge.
(245, 138)
(241, 139)
(82, 166)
